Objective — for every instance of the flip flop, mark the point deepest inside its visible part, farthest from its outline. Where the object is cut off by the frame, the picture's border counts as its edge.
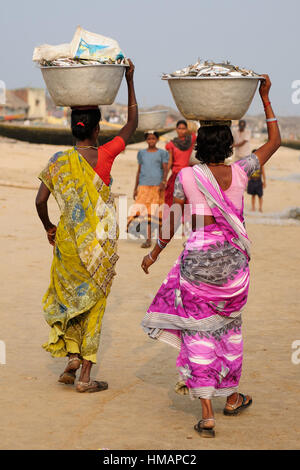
(203, 431)
(91, 386)
(146, 244)
(237, 409)
(67, 378)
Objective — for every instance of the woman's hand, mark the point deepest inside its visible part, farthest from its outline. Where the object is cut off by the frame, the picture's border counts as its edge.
(51, 232)
(265, 86)
(129, 71)
(147, 262)
(162, 186)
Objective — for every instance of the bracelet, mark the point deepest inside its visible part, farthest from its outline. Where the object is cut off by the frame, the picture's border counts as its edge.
(132, 105)
(161, 244)
(149, 254)
(271, 120)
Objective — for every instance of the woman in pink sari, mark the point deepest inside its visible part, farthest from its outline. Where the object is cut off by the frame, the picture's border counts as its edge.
(198, 307)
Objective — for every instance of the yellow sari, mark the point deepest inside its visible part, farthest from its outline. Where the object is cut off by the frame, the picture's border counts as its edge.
(84, 256)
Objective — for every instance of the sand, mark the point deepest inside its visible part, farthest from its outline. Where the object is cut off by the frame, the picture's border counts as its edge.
(140, 410)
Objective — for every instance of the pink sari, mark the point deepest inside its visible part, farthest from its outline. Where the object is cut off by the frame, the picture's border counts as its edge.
(198, 307)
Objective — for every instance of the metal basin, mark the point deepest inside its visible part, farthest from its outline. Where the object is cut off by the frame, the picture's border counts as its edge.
(152, 120)
(213, 98)
(84, 84)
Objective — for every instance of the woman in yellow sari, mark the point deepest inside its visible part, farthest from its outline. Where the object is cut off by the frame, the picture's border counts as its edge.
(84, 253)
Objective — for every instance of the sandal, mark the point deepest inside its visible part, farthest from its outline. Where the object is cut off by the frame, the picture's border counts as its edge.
(91, 386)
(237, 409)
(205, 431)
(146, 244)
(69, 377)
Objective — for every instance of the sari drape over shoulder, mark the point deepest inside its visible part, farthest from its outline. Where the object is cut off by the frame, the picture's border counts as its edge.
(84, 255)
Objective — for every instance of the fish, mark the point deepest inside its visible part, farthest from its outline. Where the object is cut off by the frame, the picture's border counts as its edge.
(208, 68)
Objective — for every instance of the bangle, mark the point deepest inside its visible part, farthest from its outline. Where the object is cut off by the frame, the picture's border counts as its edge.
(271, 120)
(132, 105)
(149, 254)
(161, 244)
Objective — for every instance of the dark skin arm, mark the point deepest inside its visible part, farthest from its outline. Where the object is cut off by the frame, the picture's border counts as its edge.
(173, 222)
(136, 182)
(165, 174)
(42, 210)
(170, 163)
(274, 140)
(264, 179)
(132, 121)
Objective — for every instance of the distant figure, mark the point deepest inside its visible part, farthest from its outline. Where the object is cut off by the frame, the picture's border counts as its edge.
(149, 190)
(242, 138)
(256, 183)
(113, 118)
(180, 150)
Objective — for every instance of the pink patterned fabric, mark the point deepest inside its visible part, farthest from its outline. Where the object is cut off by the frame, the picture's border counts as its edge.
(198, 307)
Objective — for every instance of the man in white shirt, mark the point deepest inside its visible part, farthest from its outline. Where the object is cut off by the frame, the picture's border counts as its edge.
(242, 143)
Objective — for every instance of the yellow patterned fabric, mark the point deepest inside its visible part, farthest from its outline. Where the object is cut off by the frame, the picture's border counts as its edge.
(84, 255)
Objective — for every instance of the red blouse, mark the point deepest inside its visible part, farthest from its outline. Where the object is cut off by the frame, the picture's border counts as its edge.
(106, 155)
(180, 157)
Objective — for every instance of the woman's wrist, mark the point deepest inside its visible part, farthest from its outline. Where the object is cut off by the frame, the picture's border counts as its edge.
(265, 98)
(48, 226)
(130, 83)
(156, 251)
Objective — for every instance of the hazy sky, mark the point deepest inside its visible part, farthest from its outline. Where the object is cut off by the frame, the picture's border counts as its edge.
(161, 36)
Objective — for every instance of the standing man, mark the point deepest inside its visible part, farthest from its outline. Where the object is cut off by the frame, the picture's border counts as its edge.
(242, 138)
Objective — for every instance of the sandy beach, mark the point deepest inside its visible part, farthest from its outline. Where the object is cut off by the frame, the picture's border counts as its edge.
(140, 410)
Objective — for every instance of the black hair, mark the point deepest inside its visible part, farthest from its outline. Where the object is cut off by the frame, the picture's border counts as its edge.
(214, 144)
(182, 121)
(149, 133)
(83, 122)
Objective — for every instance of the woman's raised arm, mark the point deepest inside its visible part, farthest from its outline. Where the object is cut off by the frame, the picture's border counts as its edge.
(132, 121)
(274, 140)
